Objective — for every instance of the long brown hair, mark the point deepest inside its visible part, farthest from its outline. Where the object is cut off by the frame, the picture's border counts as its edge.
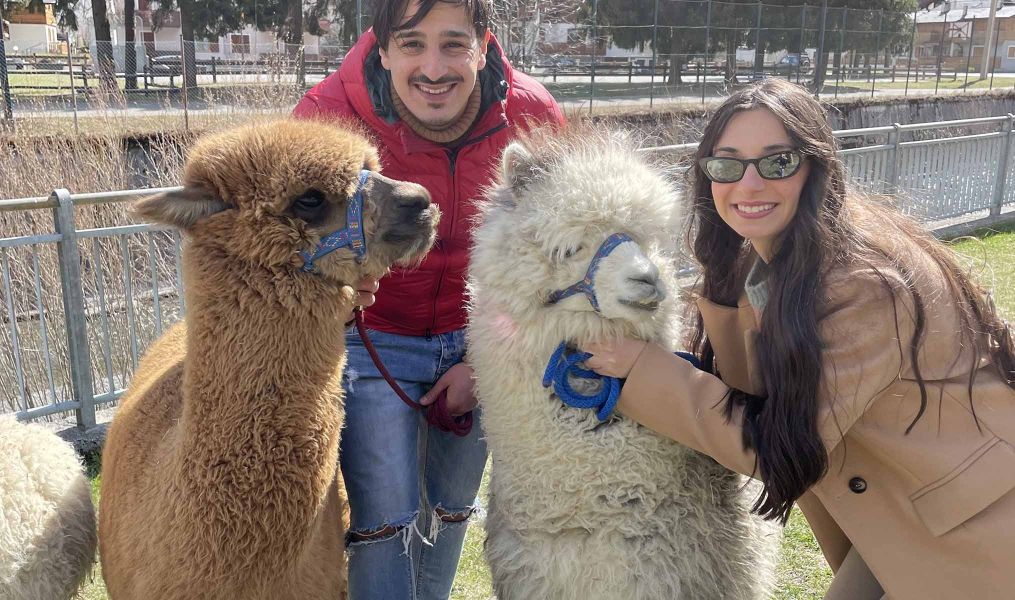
(833, 225)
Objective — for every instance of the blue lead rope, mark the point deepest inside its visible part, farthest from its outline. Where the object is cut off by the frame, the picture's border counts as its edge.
(561, 366)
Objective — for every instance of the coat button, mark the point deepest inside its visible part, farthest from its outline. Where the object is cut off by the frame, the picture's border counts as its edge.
(857, 485)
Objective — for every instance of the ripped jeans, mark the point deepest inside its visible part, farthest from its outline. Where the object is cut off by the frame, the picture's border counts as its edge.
(411, 487)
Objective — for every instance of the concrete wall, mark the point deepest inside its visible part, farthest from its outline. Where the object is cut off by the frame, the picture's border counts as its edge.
(854, 115)
(683, 125)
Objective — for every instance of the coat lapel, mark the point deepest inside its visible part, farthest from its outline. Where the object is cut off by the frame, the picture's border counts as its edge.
(733, 331)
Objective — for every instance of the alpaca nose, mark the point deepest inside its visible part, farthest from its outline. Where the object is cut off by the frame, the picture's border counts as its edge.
(644, 290)
(411, 206)
(410, 201)
(648, 277)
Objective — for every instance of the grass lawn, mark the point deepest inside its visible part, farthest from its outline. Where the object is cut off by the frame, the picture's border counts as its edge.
(60, 81)
(802, 572)
(993, 255)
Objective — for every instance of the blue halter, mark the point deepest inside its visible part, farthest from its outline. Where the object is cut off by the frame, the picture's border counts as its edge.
(563, 364)
(585, 286)
(351, 235)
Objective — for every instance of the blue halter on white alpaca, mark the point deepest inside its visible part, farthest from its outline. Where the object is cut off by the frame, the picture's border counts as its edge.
(351, 235)
(585, 286)
(561, 366)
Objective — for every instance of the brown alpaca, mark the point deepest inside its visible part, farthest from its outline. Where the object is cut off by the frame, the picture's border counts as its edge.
(219, 470)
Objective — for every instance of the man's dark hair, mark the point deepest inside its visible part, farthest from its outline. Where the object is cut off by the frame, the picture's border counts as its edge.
(390, 13)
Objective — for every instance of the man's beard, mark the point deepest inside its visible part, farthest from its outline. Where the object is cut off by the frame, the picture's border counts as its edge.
(440, 124)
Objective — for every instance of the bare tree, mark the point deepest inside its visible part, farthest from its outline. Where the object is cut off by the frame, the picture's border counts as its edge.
(519, 24)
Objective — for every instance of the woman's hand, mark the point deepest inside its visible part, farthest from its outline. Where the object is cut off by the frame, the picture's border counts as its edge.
(458, 381)
(614, 358)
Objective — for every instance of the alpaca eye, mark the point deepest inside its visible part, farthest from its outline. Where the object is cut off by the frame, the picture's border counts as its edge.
(310, 200)
(311, 206)
(568, 253)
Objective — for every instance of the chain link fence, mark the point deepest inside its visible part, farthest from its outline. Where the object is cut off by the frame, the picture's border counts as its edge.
(584, 52)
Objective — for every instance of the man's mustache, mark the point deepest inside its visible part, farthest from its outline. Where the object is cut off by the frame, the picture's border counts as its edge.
(427, 81)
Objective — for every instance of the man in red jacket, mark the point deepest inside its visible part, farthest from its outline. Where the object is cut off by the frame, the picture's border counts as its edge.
(433, 86)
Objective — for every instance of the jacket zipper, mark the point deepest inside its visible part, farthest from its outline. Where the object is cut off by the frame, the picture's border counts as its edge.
(452, 162)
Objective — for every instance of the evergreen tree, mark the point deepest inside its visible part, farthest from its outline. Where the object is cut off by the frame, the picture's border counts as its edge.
(684, 26)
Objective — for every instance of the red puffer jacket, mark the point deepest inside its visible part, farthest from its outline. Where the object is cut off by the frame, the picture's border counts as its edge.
(431, 298)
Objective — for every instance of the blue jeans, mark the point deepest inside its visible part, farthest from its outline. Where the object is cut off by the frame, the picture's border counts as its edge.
(411, 486)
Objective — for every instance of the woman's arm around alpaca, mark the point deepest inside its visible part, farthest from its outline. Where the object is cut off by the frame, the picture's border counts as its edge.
(866, 337)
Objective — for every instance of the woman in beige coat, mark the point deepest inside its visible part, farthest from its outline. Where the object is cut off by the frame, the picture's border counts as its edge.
(849, 363)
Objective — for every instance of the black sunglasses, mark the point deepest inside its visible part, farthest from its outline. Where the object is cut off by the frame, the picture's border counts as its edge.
(726, 169)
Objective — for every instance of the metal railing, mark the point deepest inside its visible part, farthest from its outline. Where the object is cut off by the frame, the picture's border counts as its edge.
(949, 178)
(58, 364)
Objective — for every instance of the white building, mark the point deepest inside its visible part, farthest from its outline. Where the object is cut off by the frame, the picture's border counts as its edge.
(248, 43)
(31, 33)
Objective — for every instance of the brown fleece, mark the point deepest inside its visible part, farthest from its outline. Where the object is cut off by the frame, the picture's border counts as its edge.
(220, 468)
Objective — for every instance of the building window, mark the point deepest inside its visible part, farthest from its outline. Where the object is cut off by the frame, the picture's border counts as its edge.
(240, 43)
(1011, 52)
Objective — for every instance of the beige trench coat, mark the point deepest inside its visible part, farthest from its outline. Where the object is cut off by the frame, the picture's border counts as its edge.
(931, 512)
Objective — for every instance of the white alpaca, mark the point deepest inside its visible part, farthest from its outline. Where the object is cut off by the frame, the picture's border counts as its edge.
(580, 509)
(47, 521)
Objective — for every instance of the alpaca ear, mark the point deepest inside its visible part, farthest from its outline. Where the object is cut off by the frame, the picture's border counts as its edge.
(181, 209)
(518, 166)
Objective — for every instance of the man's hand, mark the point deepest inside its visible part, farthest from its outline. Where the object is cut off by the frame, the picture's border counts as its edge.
(365, 290)
(614, 358)
(458, 382)
(365, 296)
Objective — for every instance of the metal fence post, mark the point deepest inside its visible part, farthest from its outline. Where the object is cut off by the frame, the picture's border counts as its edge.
(183, 76)
(79, 356)
(940, 51)
(4, 80)
(73, 89)
(997, 36)
(839, 77)
(655, 55)
(877, 51)
(595, 48)
(821, 58)
(1002, 168)
(969, 60)
(893, 164)
(759, 57)
(912, 47)
(800, 48)
(359, 18)
(705, 57)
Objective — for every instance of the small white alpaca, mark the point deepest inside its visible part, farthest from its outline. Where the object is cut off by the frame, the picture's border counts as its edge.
(47, 520)
(582, 509)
